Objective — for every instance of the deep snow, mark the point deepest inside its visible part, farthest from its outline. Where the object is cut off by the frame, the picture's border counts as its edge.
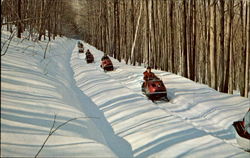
(33, 90)
(196, 123)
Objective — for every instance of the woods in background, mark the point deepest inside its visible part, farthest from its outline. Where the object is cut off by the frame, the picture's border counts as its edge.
(207, 41)
(35, 16)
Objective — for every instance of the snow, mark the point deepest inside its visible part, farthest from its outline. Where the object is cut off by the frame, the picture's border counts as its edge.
(33, 90)
(114, 118)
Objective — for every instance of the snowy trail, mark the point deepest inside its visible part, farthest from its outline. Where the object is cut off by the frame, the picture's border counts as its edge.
(199, 105)
(125, 123)
(203, 107)
(151, 130)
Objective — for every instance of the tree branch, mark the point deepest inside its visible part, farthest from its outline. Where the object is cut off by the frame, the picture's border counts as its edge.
(53, 130)
(10, 39)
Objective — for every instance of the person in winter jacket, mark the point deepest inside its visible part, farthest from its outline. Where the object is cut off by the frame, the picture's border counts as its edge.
(246, 120)
(148, 75)
(88, 52)
(105, 57)
(80, 45)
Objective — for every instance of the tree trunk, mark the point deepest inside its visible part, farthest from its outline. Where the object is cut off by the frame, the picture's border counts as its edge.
(135, 36)
(221, 52)
(213, 47)
(228, 76)
(172, 36)
(19, 24)
(247, 69)
(185, 66)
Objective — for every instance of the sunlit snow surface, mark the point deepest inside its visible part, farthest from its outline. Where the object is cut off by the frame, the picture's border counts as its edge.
(196, 123)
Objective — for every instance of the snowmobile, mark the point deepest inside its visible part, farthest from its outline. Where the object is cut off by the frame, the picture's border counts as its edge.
(155, 90)
(80, 46)
(242, 136)
(89, 57)
(81, 50)
(106, 64)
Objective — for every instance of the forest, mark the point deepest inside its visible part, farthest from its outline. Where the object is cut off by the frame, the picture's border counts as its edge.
(207, 41)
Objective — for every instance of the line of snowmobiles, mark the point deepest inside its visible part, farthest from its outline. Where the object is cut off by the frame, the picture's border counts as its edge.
(106, 63)
(80, 47)
(89, 57)
(153, 88)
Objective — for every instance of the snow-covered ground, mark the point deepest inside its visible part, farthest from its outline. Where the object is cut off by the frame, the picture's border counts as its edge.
(33, 90)
(114, 119)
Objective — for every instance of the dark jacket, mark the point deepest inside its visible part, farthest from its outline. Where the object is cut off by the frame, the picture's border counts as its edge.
(149, 75)
(104, 57)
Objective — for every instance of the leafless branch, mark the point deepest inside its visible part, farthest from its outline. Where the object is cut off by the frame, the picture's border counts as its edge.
(10, 39)
(53, 130)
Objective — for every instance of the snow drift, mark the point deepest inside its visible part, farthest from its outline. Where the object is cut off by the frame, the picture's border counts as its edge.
(33, 91)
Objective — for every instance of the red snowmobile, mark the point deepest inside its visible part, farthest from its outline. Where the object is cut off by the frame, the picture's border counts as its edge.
(154, 89)
(89, 57)
(242, 136)
(106, 64)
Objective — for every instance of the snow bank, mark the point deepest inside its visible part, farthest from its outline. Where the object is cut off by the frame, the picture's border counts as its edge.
(33, 90)
(162, 130)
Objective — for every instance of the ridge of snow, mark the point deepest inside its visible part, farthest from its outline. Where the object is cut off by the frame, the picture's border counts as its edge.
(33, 90)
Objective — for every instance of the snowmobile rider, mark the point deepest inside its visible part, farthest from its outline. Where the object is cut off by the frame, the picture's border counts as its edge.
(105, 57)
(80, 45)
(148, 75)
(88, 52)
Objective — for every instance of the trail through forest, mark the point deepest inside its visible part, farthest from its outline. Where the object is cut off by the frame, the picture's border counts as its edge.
(112, 118)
